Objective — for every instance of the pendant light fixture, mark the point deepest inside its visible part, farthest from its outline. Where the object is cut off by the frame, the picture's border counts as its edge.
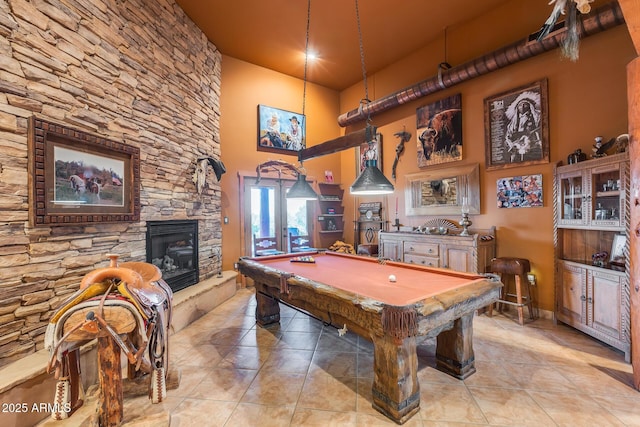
(371, 181)
(302, 190)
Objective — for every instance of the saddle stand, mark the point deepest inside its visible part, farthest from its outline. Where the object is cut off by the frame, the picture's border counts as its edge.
(127, 307)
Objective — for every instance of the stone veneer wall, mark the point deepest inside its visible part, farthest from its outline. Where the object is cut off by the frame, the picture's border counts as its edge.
(136, 71)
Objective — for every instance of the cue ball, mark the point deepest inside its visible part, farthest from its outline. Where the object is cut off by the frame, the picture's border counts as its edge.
(392, 278)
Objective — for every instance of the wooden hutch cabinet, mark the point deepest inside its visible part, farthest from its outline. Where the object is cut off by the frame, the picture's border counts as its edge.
(470, 254)
(591, 247)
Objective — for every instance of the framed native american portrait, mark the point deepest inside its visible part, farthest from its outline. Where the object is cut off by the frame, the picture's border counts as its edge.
(281, 131)
(516, 125)
(439, 130)
(76, 177)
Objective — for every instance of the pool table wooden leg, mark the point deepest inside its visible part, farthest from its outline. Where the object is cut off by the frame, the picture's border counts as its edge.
(454, 350)
(396, 391)
(267, 308)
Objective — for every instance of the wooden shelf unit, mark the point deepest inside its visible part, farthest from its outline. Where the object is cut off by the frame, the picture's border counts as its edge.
(330, 214)
(591, 212)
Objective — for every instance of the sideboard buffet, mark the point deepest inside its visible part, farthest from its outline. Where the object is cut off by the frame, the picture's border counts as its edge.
(470, 254)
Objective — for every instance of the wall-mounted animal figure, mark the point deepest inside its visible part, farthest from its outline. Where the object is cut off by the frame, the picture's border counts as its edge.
(78, 185)
(443, 133)
(440, 187)
(200, 174)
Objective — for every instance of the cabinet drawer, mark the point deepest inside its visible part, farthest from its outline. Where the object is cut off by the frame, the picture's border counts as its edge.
(430, 249)
(427, 261)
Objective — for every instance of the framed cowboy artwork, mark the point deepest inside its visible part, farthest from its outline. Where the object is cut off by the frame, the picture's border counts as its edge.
(280, 131)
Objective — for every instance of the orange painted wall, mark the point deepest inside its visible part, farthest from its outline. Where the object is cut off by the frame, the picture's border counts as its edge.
(244, 87)
(586, 99)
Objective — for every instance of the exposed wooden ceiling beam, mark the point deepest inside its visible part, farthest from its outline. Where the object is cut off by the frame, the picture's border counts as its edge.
(341, 143)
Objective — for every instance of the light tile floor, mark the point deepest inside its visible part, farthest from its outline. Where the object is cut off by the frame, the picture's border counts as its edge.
(303, 374)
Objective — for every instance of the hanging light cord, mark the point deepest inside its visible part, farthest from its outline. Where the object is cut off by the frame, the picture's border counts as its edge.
(364, 70)
(366, 99)
(443, 66)
(306, 58)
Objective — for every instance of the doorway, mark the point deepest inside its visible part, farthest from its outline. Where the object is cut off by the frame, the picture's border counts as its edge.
(269, 214)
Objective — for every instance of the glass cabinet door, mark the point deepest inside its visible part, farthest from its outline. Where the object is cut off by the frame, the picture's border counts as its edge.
(606, 195)
(572, 199)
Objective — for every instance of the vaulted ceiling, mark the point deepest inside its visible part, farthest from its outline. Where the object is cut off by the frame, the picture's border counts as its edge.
(272, 33)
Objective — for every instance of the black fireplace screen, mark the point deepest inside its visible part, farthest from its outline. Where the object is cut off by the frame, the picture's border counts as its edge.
(172, 246)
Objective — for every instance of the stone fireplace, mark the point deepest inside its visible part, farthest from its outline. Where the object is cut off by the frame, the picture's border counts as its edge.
(172, 246)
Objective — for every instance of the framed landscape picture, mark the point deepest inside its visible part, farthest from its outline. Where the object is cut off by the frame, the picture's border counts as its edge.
(80, 178)
(280, 131)
(516, 127)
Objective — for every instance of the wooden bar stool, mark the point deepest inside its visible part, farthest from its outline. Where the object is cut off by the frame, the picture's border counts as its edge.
(517, 267)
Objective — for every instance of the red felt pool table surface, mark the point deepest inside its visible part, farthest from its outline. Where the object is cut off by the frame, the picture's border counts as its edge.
(368, 278)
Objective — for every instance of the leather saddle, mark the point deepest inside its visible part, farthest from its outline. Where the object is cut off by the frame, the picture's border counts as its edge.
(139, 282)
(131, 303)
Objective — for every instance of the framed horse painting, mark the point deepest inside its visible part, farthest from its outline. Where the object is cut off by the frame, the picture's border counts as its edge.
(77, 177)
(280, 131)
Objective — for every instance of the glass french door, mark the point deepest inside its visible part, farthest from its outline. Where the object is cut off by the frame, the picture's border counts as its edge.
(269, 214)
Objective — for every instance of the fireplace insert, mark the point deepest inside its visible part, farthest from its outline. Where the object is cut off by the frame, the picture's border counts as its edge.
(172, 246)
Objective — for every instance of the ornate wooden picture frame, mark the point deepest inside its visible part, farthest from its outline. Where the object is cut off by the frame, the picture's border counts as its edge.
(76, 177)
(516, 125)
(442, 191)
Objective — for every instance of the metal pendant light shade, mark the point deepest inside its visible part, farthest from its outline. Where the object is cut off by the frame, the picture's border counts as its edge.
(371, 181)
(302, 190)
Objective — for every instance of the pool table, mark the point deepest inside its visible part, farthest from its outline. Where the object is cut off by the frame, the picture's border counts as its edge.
(392, 312)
